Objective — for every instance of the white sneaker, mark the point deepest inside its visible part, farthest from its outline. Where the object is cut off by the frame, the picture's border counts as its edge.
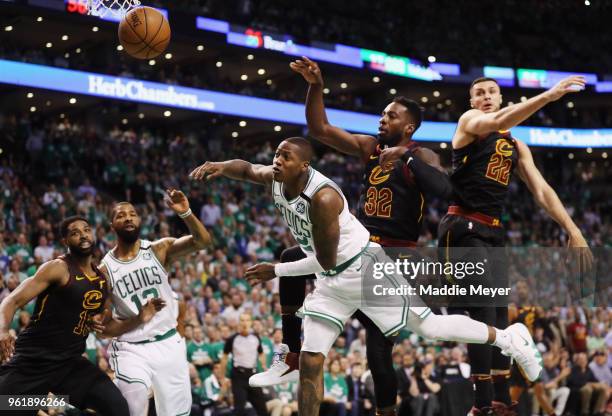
(523, 350)
(284, 369)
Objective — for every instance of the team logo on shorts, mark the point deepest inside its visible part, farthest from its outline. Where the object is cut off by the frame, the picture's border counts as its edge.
(301, 208)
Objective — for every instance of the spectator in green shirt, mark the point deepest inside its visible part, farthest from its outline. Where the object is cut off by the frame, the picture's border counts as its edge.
(336, 390)
(200, 354)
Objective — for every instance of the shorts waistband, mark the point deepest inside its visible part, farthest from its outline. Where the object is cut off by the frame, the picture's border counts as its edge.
(392, 242)
(474, 216)
(156, 338)
(342, 267)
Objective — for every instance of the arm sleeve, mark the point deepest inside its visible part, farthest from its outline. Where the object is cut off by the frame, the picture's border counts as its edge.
(428, 178)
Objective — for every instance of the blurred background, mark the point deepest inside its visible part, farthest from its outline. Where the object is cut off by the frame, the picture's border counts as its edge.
(83, 125)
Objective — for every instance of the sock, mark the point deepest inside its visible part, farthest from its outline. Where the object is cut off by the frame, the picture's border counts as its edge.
(501, 388)
(483, 391)
(292, 329)
(502, 339)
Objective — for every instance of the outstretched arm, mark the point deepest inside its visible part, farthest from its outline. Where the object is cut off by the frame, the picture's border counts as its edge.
(234, 169)
(547, 198)
(170, 248)
(478, 123)
(54, 271)
(352, 144)
(325, 210)
(106, 326)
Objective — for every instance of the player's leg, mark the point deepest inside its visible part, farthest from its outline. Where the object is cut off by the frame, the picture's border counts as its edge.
(90, 388)
(292, 293)
(133, 374)
(14, 382)
(319, 336)
(379, 354)
(500, 364)
(171, 383)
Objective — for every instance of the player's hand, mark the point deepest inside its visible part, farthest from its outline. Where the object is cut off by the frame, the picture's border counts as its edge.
(97, 323)
(207, 171)
(580, 254)
(389, 156)
(176, 201)
(260, 273)
(151, 308)
(574, 83)
(7, 346)
(308, 69)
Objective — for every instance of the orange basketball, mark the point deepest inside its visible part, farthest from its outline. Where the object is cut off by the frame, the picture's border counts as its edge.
(144, 32)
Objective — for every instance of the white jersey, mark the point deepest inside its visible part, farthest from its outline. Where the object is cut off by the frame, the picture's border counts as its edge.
(133, 283)
(354, 237)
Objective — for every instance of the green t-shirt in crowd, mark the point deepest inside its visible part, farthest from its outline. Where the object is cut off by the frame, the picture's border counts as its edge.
(197, 351)
(335, 386)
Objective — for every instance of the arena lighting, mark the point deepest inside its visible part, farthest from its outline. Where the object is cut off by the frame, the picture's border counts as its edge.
(242, 123)
(119, 47)
(30, 95)
(219, 64)
(436, 94)
(325, 90)
(589, 150)
(8, 28)
(277, 128)
(49, 45)
(173, 96)
(393, 91)
(261, 71)
(33, 109)
(168, 56)
(95, 29)
(141, 116)
(443, 145)
(78, 50)
(571, 156)
(424, 99)
(375, 79)
(244, 77)
(167, 113)
(200, 48)
(152, 62)
(431, 59)
(269, 82)
(604, 155)
(39, 19)
(72, 100)
(344, 85)
(250, 57)
(570, 104)
(124, 121)
(234, 134)
(65, 37)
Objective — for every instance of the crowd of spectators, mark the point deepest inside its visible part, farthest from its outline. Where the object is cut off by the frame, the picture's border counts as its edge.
(101, 56)
(509, 33)
(58, 167)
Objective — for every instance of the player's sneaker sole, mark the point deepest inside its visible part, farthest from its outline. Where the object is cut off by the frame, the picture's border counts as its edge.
(270, 378)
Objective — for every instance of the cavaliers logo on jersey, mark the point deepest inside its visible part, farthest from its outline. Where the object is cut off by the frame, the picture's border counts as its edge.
(377, 176)
(92, 299)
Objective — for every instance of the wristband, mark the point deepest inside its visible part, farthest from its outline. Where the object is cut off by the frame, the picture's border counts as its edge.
(407, 157)
(185, 214)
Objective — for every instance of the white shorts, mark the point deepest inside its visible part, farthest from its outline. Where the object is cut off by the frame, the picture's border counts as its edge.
(336, 298)
(161, 365)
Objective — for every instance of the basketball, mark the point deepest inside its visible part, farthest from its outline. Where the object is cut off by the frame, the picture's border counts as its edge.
(144, 32)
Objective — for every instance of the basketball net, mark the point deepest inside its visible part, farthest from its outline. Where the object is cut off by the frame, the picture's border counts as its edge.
(118, 8)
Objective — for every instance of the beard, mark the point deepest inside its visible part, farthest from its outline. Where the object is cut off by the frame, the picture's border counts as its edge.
(389, 140)
(128, 236)
(77, 251)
